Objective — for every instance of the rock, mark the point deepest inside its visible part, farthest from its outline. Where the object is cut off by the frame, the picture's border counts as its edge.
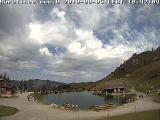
(51, 105)
(72, 105)
(54, 105)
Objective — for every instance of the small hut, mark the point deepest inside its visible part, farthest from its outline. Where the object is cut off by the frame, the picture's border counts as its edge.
(6, 89)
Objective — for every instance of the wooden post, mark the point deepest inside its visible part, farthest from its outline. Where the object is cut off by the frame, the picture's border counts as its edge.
(77, 110)
(47, 114)
(78, 114)
(159, 114)
(108, 114)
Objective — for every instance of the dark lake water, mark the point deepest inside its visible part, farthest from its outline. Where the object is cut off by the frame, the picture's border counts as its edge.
(82, 99)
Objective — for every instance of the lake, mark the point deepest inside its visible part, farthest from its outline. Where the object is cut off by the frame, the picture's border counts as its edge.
(82, 99)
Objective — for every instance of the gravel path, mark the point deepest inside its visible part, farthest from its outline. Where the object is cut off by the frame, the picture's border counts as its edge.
(30, 110)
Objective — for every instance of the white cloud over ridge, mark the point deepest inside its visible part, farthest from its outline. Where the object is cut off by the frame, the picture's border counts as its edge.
(78, 43)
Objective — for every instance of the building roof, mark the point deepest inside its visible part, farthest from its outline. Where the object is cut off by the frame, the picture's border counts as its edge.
(7, 85)
(115, 85)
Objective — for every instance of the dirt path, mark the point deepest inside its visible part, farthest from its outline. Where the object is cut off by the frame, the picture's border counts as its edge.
(30, 110)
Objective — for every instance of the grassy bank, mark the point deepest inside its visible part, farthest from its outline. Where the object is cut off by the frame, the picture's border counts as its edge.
(6, 111)
(148, 115)
(38, 97)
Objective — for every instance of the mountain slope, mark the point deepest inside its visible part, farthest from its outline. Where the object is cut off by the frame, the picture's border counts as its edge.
(38, 84)
(141, 72)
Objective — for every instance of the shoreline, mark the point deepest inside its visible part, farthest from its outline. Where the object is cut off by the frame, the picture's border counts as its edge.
(33, 110)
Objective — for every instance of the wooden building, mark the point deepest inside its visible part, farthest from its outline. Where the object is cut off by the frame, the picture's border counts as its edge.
(6, 89)
(113, 88)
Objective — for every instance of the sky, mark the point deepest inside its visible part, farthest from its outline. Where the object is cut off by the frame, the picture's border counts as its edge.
(74, 43)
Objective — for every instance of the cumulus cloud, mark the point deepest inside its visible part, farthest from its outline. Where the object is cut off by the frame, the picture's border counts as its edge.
(45, 51)
(74, 43)
(56, 31)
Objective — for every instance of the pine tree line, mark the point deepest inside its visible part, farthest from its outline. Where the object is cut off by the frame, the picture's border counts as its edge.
(4, 76)
(23, 85)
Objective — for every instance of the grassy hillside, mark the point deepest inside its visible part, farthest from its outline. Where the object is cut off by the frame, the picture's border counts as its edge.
(143, 79)
(140, 72)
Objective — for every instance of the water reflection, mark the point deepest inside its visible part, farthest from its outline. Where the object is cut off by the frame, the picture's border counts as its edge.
(83, 99)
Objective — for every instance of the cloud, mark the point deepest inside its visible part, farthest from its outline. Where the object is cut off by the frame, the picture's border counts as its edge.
(45, 51)
(88, 17)
(74, 43)
(56, 31)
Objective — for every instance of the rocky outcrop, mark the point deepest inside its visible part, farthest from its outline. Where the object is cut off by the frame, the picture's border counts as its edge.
(135, 62)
